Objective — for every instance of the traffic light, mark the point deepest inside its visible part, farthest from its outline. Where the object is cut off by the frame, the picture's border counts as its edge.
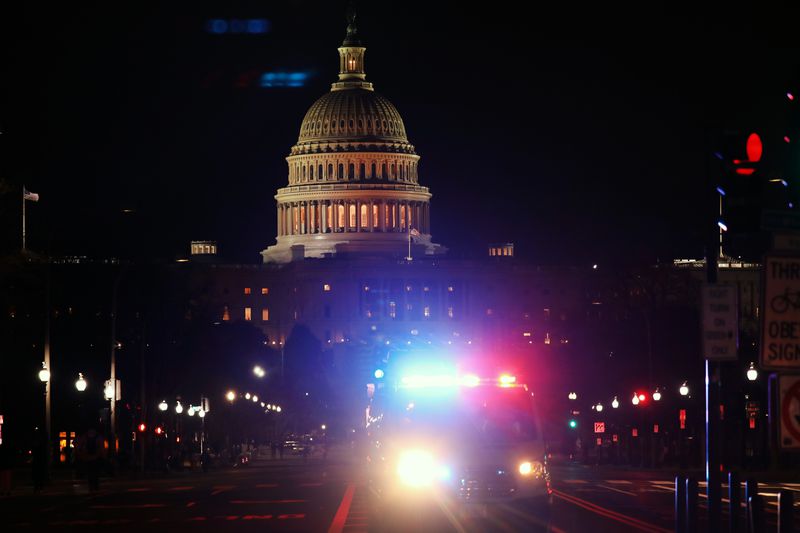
(573, 424)
(142, 427)
(159, 431)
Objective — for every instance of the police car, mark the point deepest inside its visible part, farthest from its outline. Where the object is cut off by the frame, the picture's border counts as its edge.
(463, 439)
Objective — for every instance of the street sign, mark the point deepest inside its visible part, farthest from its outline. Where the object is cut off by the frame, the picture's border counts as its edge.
(780, 331)
(789, 405)
(720, 322)
(599, 427)
(781, 220)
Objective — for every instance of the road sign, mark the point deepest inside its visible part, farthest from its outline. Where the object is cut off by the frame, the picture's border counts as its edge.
(780, 331)
(789, 405)
(599, 427)
(720, 322)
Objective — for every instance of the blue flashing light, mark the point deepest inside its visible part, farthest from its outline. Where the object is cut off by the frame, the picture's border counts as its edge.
(718, 156)
(257, 26)
(217, 26)
(722, 226)
(784, 183)
(721, 191)
(379, 373)
(284, 79)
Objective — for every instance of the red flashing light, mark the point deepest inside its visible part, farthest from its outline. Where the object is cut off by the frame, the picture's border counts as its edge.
(790, 96)
(142, 427)
(786, 139)
(642, 397)
(159, 431)
(755, 148)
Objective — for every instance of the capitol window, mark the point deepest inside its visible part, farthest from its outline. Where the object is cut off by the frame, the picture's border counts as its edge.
(427, 311)
(247, 290)
(248, 313)
(326, 287)
(392, 310)
(265, 315)
(450, 312)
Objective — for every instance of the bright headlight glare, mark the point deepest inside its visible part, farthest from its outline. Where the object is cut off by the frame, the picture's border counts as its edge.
(528, 468)
(416, 468)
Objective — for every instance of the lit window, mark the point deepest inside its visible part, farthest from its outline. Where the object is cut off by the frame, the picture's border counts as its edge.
(366, 288)
(369, 313)
(296, 314)
(392, 309)
(408, 288)
(248, 313)
(489, 312)
(326, 288)
(264, 290)
(426, 311)
(265, 314)
(450, 288)
(247, 290)
(547, 314)
(426, 289)
(450, 312)
(547, 338)
(226, 314)
(526, 334)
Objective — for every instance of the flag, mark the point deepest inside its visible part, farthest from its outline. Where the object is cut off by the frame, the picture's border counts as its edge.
(27, 195)
(413, 232)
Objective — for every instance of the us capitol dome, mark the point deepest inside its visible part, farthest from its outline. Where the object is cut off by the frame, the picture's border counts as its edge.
(353, 176)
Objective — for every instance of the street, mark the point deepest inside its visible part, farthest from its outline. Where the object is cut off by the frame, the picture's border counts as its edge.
(332, 496)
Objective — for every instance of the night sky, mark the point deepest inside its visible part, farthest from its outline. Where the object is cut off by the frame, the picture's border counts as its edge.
(578, 135)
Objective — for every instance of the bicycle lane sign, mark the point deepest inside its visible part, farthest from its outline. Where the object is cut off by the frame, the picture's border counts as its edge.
(780, 329)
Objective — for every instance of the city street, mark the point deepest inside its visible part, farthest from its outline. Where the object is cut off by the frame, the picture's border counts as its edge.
(292, 495)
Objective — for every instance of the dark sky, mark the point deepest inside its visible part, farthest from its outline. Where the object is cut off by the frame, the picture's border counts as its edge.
(578, 135)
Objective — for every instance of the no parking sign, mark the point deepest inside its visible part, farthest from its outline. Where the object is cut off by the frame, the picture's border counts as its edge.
(789, 391)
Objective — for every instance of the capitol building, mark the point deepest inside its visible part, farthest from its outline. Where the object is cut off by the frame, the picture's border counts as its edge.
(353, 176)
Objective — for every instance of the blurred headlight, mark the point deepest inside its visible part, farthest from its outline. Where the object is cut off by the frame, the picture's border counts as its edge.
(416, 468)
(528, 468)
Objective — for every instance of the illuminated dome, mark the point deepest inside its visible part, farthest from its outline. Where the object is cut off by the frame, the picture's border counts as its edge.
(353, 176)
(354, 115)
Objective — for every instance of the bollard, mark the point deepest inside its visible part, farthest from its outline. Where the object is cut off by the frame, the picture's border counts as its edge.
(750, 489)
(680, 504)
(755, 514)
(734, 497)
(785, 511)
(691, 505)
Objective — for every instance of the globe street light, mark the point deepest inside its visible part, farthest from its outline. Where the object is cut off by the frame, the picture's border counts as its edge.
(324, 427)
(599, 407)
(178, 408)
(259, 372)
(163, 405)
(752, 373)
(684, 390)
(572, 396)
(615, 403)
(192, 410)
(201, 413)
(255, 398)
(44, 374)
(230, 396)
(635, 399)
(656, 395)
(81, 383)
(247, 396)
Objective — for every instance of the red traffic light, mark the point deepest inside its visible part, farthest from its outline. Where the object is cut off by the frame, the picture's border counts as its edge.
(142, 427)
(159, 431)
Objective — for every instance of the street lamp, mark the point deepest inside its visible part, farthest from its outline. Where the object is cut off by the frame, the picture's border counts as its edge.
(599, 407)
(255, 398)
(752, 373)
(615, 403)
(192, 410)
(81, 383)
(572, 396)
(324, 427)
(163, 405)
(108, 391)
(201, 413)
(44, 374)
(178, 408)
(259, 372)
(684, 390)
(635, 399)
(247, 396)
(656, 395)
(230, 396)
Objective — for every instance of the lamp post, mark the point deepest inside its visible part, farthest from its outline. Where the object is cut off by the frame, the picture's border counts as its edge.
(80, 384)
(752, 373)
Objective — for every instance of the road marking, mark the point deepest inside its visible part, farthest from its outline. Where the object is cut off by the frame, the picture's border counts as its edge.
(310, 484)
(191, 504)
(574, 481)
(341, 514)
(257, 517)
(256, 502)
(266, 485)
(219, 489)
(619, 490)
(139, 490)
(181, 488)
(619, 482)
(608, 513)
(132, 506)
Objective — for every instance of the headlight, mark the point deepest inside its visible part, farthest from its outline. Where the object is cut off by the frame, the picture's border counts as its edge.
(416, 468)
(528, 468)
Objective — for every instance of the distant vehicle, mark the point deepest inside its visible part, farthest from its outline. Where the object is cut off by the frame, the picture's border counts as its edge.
(468, 440)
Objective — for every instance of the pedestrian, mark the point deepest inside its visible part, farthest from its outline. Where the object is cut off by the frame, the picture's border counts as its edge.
(39, 459)
(91, 451)
(5, 470)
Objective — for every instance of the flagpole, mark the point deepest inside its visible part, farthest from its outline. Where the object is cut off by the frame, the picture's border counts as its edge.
(23, 218)
(409, 244)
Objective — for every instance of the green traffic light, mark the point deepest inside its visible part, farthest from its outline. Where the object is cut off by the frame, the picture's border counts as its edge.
(573, 423)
